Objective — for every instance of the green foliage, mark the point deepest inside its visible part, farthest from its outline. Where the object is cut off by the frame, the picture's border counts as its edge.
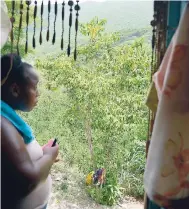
(93, 29)
(108, 195)
(96, 107)
(110, 192)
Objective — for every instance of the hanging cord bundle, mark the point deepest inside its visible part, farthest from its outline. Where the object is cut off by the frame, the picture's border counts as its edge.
(153, 24)
(70, 3)
(77, 8)
(34, 27)
(63, 15)
(151, 115)
(162, 31)
(40, 37)
(55, 12)
(153, 44)
(20, 25)
(49, 11)
(27, 23)
(12, 21)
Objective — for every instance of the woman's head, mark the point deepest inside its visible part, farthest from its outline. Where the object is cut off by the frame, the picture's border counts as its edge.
(19, 87)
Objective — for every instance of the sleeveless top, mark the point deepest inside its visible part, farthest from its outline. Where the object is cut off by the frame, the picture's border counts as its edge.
(38, 198)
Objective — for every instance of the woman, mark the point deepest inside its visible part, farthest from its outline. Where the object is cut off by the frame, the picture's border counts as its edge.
(25, 166)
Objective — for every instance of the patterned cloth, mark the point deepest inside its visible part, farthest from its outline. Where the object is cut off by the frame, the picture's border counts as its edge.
(5, 24)
(96, 178)
(167, 169)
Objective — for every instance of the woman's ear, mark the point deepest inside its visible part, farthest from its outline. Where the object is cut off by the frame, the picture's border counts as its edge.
(15, 90)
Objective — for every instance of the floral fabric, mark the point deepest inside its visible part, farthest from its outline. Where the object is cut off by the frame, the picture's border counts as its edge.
(167, 170)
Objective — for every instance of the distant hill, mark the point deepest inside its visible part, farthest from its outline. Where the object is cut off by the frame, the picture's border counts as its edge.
(119, 14)
(122, 16)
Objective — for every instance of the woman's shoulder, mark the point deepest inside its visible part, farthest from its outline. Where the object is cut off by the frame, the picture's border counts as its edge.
(5, 122)
(9, 134)
(7, 127)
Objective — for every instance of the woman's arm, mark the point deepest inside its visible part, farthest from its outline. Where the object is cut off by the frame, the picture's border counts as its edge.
(30, 173)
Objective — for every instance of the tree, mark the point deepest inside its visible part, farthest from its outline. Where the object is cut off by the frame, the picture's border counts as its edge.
(105, 87)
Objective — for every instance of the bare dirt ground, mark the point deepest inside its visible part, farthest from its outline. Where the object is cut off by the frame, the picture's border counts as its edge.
(69, 192)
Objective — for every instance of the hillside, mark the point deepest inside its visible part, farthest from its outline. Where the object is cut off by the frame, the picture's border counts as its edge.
(130, 18)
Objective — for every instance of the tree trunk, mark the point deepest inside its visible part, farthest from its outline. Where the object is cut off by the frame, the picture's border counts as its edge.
(88, 133)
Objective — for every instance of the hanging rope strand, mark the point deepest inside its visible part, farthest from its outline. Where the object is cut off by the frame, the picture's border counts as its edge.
(49, 11)
(34, 27)
(153, 52)
(63, 16)
(27, 23)
(20, 25)
(55, 11)
(40, 37)
(12, 21)
(153, 45)
(77, 8)
(70, 3)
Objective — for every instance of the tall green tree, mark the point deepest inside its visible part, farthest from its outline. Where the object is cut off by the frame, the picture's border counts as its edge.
(105, 87)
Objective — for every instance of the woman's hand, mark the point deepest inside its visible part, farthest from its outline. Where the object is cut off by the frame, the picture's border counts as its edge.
(49, 144)
(52, 151)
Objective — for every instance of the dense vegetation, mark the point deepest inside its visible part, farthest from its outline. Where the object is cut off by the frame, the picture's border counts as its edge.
(95, 107)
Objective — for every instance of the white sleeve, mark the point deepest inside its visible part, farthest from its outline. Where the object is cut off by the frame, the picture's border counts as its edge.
(5, 24)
